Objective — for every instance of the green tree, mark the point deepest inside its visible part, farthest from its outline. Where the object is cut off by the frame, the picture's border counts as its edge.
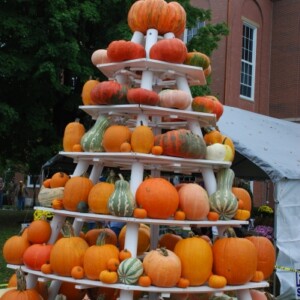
(45, 54)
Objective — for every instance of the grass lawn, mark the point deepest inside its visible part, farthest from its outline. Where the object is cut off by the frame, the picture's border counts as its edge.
(10, 224)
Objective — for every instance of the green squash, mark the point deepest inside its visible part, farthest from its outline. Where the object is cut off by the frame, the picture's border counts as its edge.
(121, 203)
(223, 201)
(92, 139)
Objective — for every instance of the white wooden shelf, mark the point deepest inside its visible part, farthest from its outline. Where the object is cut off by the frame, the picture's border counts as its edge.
(165, 74)
(128, 111)
(124, 160)
(85, 283)
(169, 222)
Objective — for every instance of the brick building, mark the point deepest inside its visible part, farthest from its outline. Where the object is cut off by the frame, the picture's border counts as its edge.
(257, 66)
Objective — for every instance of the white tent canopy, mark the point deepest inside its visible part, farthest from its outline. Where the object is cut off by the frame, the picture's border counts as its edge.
(269, 148)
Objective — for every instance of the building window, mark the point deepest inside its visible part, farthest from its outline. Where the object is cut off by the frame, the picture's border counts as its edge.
(31, 179)
(190, 33)
(248, 62)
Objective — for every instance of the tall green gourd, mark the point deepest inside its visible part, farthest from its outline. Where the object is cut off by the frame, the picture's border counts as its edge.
(223, 201)
(92, 139)
(121, 202)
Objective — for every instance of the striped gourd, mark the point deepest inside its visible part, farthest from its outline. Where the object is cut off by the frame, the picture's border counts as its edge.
(92, 139)
(130, 270)
(181, 143)
(121, 203)
(223, 201)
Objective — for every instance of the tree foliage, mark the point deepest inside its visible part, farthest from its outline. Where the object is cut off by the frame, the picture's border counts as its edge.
(45, 54)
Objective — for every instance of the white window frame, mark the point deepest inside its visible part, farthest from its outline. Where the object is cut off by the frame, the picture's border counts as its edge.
(248, 61)
(190, 33)
(30, 182)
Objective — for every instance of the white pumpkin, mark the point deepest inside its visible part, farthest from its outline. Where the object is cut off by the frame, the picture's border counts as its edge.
(174, 99)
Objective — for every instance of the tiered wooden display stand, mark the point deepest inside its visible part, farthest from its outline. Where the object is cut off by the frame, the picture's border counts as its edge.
(152, 75)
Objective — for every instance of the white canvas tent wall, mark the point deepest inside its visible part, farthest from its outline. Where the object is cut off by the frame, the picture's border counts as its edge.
(269, 148)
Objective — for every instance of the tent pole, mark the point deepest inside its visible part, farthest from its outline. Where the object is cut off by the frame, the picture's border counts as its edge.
(275, 196)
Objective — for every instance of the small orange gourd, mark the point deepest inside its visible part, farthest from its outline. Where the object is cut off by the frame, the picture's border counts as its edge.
(108, 276)
(217, 281)
(144, 280)
(77, 272)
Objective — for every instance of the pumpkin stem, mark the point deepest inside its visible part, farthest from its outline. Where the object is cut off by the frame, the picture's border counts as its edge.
(229, 232)
(163, 251)
(121, 176)
(101, 239)
(111, 178)
(191, 234)
(21, 281)
(68, 230)
(60, 297)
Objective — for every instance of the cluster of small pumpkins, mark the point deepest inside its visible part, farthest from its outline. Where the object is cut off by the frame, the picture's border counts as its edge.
(110, 92)
(155, 198)
(178, 261)
(107, 136)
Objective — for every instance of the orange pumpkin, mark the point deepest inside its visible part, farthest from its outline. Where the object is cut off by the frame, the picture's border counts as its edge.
(169, 240)
(143, 238)
(243, 194)
(197, 59)
(266, 254)
(73, 133)
(92, 235)
(96, 257)
(158, 196)
(67, 252)
(238, 268)
(77, 272)
(193, 200)
(59, 179)
(98, 197)
(21, 292)
(142, 96)
(196, 259)
(142, 139)
(36, 255)
(169, 50)
(39, 231)
(76, 190)
(163, 267)
(125, 50)
(109, 92)
(158, 14)
(70, 291)
(114, 136)
(86, 91)
(14, 248)
(212, 137)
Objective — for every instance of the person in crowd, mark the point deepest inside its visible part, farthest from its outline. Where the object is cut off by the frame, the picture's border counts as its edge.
(11, 191)
(21, 193)
(1, 192)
